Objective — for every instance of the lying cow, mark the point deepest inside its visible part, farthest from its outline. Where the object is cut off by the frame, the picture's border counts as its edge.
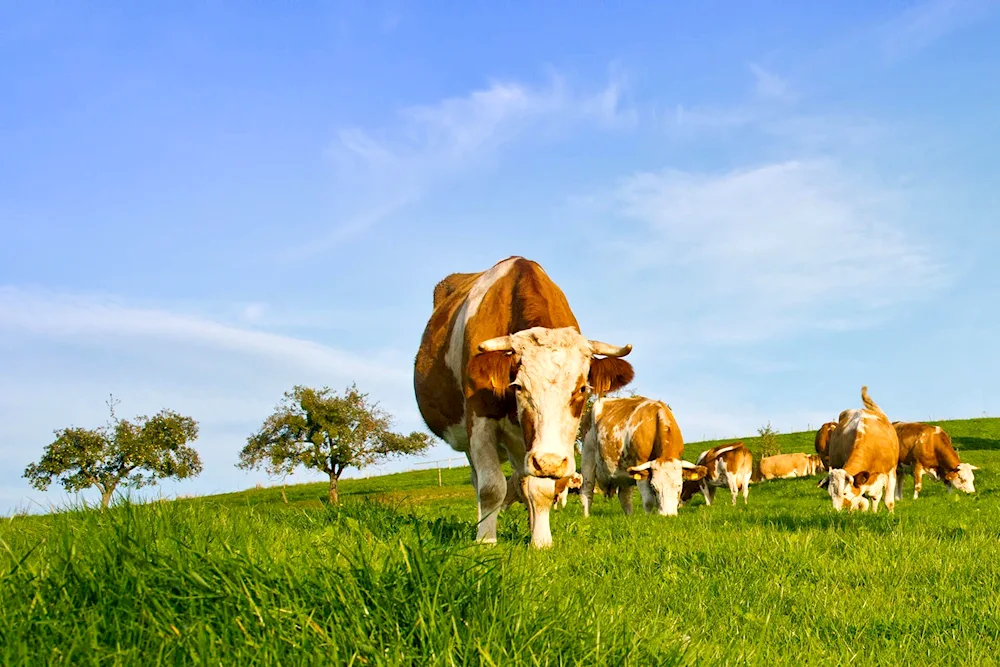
(633, 441)
(927, 449)
(787, 466)
(727, 465)
(864, 451)
(822, 442)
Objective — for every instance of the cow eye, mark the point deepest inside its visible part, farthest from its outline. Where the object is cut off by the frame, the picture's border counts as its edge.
(582, 390)
(515, 386)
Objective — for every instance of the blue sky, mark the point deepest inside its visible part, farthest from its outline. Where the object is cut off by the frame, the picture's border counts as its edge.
(203, 204)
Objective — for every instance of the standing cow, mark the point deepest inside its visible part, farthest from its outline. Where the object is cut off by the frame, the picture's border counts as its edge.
(864, 452)
(630, 439)
(503, 371)
(822, 442)
(927, 449)
(726, 465)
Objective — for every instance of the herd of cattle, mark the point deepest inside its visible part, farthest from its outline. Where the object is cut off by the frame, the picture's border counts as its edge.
(503, 372)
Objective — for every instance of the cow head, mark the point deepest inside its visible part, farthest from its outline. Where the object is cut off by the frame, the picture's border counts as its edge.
(666, 477)
(962, 478)
(550, 373)
(845, 489)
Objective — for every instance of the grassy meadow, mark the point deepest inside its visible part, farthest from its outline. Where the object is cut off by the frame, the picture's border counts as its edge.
(391, 577)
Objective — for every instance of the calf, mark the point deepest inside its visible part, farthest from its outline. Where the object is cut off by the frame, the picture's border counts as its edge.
(634, 440)
(785, 466)
(727, 465)
(927, 449)
(864, 451)
(822, 442)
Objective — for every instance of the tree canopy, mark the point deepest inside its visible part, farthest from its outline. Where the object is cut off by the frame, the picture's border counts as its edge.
(121, 453)
(321, 430)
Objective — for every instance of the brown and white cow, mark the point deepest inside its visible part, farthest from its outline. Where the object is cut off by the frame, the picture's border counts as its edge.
(634, 441)
(503, 371)
(727, 465)
(864, 451)
(822, 442)
(927, 449)
(787, 466)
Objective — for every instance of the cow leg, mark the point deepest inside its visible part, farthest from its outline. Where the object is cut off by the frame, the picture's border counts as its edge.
(734, 486)
(918, 478)
(540, 494)
(589, 465)
(648, 496)
(898, 486)
(890, 491)
(746, 489)
(708, 491)
(491, 485)
(625, 498)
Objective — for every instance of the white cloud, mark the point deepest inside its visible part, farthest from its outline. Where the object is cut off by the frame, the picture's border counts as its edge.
(378, 172)
(924, 24)
(770, 86)
(103, 320)
(768, 251)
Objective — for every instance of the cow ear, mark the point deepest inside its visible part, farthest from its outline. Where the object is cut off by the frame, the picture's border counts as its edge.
(694, 474)
(609, 374)
(639, 472)
(493, 371)
(861, 478)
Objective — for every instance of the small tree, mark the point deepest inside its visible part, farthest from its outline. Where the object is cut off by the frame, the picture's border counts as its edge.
(769, 445)
(122, 453)
(320, 430)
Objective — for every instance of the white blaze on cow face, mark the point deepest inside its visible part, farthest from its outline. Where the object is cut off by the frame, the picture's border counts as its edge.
(553, 365)
(963, 479)
(666, 478)
(842, 491)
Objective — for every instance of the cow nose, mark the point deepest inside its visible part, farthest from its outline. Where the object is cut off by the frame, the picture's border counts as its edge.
(548, 465)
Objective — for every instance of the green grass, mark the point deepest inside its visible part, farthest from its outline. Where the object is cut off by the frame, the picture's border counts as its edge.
(392, 577)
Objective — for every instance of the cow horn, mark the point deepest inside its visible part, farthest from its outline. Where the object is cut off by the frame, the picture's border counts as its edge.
(687, 464)
(500, 344)
(608, 350)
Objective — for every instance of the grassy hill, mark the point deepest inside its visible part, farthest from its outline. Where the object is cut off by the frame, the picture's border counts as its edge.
(392, 577)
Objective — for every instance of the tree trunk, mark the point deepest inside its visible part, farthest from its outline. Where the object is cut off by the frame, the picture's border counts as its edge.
(106, 497)
(333, 488)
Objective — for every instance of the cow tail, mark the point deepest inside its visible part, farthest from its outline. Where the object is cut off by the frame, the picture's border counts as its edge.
(664, 429)
(870, 404)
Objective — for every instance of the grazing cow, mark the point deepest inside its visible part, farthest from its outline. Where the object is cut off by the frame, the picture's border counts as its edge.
(864, 451)
(823, 441)
(629, 439)
(786, 466)
(563, 488)
(503, 371)
(927, 449)
(727, 465)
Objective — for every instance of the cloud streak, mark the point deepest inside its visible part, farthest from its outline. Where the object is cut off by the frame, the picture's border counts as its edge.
(770, 250)
(104, 320)
(381, 171)
(920, 26)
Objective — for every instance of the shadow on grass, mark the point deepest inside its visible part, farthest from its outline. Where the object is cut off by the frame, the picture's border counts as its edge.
(882, 523)
(973, 443)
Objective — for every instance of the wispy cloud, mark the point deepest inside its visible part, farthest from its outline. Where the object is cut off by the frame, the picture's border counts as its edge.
(924, 24)
(103, 319)
(769, 251)
(381, 170)
(770, 86)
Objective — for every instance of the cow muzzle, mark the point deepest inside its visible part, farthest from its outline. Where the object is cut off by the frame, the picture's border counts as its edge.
(548, 465)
